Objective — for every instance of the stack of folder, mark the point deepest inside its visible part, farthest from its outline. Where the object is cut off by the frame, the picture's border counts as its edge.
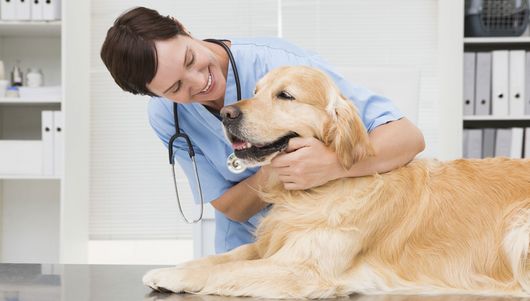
(497, 83)
(500, 142)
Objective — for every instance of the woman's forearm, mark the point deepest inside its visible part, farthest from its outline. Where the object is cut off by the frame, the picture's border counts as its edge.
(395, 144)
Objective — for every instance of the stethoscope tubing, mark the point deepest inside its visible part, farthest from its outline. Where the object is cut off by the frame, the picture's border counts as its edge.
(191, 152)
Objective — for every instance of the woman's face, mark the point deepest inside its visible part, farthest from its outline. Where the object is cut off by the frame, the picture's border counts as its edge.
(189, 70)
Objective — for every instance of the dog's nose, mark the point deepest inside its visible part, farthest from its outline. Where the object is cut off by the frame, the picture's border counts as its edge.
(230, 113)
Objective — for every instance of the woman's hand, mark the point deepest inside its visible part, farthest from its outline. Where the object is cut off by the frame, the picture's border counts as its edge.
(307, 163)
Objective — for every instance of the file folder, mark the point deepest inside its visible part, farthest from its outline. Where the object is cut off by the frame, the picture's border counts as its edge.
(527, 143)
(469, 83)
(503, 143)
(483, 84)
(488, 143)
(527, 84)
(517, 82)
(51, 9)
(47, 143)
(23, 9)
(36, 10)
(58, 121)
(516, 150)
(473, 143)
(8, 9)
(500, 83)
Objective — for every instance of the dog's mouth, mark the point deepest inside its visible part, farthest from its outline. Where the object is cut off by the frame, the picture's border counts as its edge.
(258, 152)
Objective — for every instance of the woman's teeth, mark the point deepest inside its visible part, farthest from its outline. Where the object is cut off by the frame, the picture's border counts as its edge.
(208, 84)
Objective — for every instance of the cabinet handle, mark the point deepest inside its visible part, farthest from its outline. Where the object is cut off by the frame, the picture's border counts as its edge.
(59, 129)
(517, 95)
(46, 129)
(501, 95)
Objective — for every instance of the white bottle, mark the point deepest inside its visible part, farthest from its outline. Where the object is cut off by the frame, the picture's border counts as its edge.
(34, 78)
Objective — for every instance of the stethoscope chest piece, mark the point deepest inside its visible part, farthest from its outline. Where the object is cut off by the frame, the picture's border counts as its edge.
(234, 164)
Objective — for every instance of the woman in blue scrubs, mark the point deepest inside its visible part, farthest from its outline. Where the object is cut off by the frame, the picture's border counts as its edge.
(150, 54)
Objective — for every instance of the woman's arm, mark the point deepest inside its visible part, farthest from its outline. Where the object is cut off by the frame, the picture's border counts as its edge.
(309, 163)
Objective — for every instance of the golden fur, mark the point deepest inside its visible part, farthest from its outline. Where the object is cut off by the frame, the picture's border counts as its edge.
(429, 227)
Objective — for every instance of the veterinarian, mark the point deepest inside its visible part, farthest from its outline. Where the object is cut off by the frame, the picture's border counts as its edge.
(150, 54)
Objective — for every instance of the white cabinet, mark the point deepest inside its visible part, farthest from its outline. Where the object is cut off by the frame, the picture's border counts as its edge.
(43, 214)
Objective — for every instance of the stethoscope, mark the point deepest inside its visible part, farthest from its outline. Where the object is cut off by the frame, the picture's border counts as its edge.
(234, 164)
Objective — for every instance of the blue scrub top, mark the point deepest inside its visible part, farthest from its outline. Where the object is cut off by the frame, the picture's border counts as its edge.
(254, 58)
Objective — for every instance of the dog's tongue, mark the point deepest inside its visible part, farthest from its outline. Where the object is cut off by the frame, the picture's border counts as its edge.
(239, 144)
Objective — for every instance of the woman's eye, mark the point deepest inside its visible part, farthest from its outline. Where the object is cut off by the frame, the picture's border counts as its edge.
(285, 95)
(191, 61)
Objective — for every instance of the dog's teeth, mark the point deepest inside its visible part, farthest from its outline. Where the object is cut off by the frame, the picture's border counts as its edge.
(248, 145)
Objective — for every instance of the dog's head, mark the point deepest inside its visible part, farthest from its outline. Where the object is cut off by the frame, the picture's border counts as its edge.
(290, 102)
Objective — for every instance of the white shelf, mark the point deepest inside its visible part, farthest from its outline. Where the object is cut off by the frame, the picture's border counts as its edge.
(27, 101)
(498, 40)
(495, 118)
(30, 28)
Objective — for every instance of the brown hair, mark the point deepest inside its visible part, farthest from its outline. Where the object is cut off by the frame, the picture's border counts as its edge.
(129, 50)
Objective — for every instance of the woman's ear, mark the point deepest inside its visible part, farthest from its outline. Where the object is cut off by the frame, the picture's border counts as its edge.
(345, 133)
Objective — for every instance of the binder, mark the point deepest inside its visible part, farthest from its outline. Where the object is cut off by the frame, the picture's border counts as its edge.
(488, 143)
(516, 150)
(8, 10)
(51, 9)
(500, 83)
(517, 82)
(469, 83)
(527, 85)
(503, 143)
(527, 143)
(483, 84)
(47, 143)
(58, 120)
(36, 9)
(23, 9)
(472, 143)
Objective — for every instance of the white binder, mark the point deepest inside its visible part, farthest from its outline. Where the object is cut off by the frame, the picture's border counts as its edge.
(500, 83)
(517, 82)
(516, 151)
(47, 143)
(23, 9)
(527, 85)
(503, 143)
(483, 84)
(8, 10)
(51, 9)
(36, 9)
(527, 143)
(469, 83)
(472, 143)
(58, 138)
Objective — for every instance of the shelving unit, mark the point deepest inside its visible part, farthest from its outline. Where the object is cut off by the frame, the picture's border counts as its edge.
(44, 217)
(486, 44)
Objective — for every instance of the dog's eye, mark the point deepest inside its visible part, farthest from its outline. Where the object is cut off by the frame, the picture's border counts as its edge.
(285, 95)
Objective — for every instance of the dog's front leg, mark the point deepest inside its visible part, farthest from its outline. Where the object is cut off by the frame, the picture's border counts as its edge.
(256, 278)
(177, 275)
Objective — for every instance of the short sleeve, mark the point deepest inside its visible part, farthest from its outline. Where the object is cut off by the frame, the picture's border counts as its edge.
(374, 109)
(212, 183)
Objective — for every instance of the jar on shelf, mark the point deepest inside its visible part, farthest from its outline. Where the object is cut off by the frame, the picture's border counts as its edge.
(34, 78)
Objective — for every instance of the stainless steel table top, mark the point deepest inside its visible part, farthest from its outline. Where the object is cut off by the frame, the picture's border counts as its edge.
(52, 282)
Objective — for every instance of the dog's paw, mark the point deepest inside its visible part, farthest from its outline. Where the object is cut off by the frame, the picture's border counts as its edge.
(174, 279)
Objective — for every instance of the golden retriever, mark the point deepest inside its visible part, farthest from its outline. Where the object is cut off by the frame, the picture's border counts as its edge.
(430, 227)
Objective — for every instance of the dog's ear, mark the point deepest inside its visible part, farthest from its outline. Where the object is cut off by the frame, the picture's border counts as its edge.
(345, 133)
